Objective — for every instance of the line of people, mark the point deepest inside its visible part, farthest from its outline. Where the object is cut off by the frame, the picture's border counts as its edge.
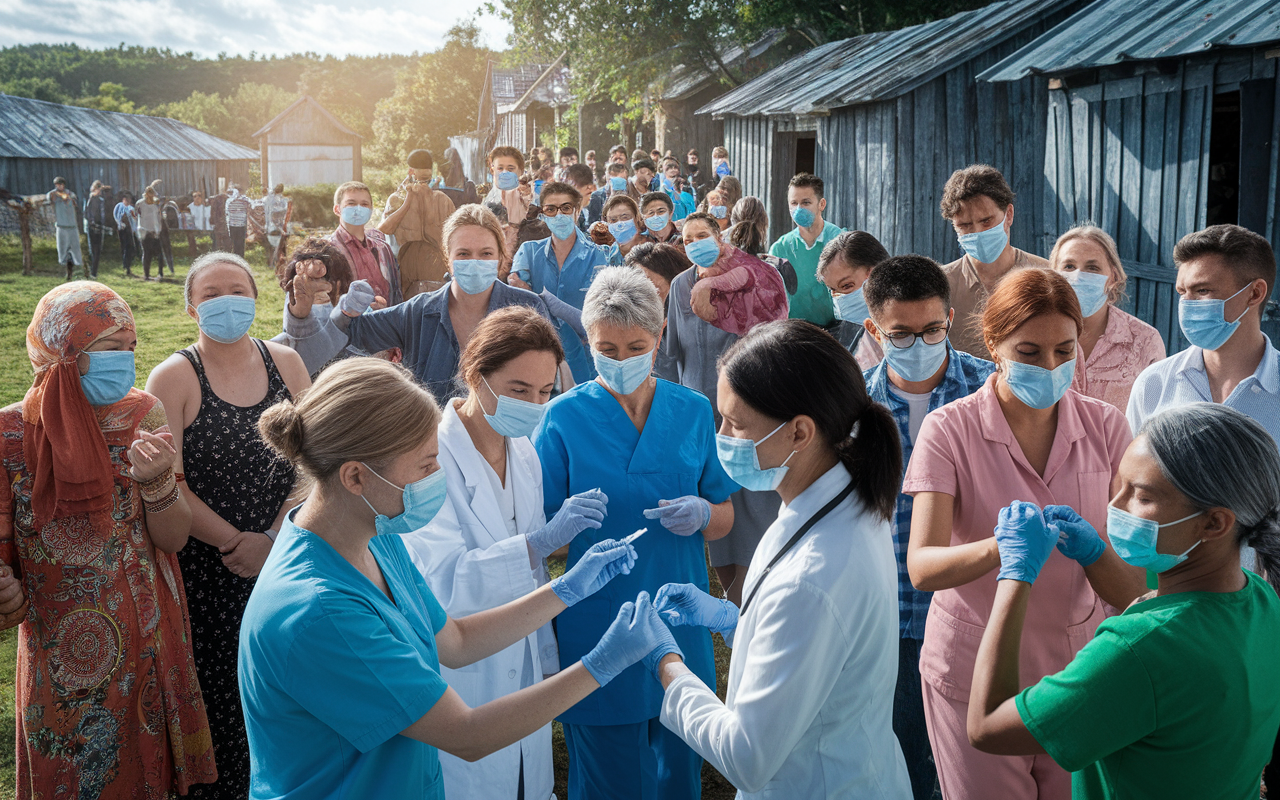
(931, 436)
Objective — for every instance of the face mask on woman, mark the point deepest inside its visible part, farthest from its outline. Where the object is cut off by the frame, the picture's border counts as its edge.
(422, 500)
(111, 375)
(513, 417)
(1135, 538)
(623, 231)
(741, 460)
(474, 275)
(227, 318)
(625, 376)
(1036, 386)
(1091, 290)
(507, 180)
(703, 252)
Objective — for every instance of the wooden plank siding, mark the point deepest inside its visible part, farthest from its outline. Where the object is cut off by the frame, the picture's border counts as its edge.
(35, 175)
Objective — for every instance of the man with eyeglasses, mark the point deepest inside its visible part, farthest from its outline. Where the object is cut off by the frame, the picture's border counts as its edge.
(562, 265)
(909, 300)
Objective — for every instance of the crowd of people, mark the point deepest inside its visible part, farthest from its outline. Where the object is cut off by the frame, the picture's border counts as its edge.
(974, 531)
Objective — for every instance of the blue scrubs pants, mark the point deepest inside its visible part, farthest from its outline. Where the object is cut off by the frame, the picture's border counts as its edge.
(642, 761)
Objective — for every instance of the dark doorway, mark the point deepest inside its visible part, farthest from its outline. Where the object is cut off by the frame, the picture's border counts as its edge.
(1223, 206)
(1257, 109)
(806, 152)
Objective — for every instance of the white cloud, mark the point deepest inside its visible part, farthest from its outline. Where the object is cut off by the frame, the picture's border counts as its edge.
(238, 27)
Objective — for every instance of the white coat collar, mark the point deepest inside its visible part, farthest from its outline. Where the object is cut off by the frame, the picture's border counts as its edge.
(523, 468)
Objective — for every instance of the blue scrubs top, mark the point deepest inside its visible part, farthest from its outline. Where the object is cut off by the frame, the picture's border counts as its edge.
(538, 260)
(331, 671)
(587, 441)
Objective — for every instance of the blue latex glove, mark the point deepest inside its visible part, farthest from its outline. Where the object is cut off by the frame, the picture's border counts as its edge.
(683, 516)
(685, 604)
(1025, 541)
(357, 300)
(603, 562)
(578, 513)
(636, 634)
(1078, 541)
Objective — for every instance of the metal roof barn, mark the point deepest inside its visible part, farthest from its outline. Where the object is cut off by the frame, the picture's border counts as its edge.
(40, 140)
(1163, 118)
(886, 118)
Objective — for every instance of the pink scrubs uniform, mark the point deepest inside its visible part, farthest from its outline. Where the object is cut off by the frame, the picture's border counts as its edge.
(967, 450)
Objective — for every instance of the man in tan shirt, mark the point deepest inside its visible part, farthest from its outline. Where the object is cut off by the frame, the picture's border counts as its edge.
(415, 215)
(978, 203)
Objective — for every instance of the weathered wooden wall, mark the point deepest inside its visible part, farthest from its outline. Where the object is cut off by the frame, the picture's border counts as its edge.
(35, 175)
(678, 129)
(306, 148)
(1132, 155)
(749, 141)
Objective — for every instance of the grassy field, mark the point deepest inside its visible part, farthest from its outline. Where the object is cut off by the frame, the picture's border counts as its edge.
(163, 328)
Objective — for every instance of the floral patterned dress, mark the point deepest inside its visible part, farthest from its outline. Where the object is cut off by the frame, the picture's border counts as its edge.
(108, 703)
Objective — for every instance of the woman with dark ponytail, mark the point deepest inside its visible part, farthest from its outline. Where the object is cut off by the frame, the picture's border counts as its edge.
(811, 680)
(1177, 696)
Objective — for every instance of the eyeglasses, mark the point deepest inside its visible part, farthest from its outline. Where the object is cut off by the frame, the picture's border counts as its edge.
(905, 339)
(551, 211)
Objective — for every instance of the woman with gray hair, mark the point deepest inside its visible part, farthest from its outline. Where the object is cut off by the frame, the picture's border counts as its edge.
(650, 446)
(1177, 696)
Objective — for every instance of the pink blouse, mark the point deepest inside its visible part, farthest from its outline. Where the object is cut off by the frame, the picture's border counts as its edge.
(747, 292)
(1127, 347)
(967, 450)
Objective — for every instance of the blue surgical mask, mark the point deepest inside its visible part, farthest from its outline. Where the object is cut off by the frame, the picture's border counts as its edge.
(513, 417)
(657, 222)
(356, 215)
(1204, 322)
(741, 461)
(561, 225)
(852, 307)
(1091, 290)
(507, 180)
(1036, 386)
(703, 252)
(625, 376)
(719, 212)
(474, 275)
(226, 319)
(422, 501)
(1134, 539)
(802, 216)
(623, 231)
(985, 246)
(916, 363)
(722, 169)
(618, 183)
(111, 375)
(537, 186)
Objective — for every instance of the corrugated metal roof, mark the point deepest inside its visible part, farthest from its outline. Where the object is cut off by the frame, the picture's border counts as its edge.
(36, 129)
(509, 85)
(880, 66)
(1113, 31)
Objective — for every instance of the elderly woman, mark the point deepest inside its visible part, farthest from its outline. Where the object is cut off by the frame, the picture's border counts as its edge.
(214, 392)
(91, 514)
(649, 445)
(1177, 696)
(488, 544)
(1115, 347)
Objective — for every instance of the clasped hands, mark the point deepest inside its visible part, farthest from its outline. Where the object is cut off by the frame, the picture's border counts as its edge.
(1026, 535)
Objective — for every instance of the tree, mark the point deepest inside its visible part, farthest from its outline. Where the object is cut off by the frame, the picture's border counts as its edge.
(110, 97)
(236, 117)
(351, 87)
(827, 22)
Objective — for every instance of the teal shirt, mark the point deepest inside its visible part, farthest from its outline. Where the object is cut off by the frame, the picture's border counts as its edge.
(332, 670)
(812, 300)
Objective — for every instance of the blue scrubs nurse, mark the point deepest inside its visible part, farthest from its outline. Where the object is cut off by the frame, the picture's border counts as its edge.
(565, 263)
(649, 445)
(342, 640)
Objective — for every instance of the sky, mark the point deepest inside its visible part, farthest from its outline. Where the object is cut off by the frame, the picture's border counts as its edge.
(238, 27)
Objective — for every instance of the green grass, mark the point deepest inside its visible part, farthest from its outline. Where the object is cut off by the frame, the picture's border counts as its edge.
(164, 328)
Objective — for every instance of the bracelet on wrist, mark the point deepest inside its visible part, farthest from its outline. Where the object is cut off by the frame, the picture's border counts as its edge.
(164, 503)
(158, 486)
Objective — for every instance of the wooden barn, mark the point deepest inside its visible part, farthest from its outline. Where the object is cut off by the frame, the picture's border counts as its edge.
(1163, 118)
(40, 141)
(886, 117)
(305, 144)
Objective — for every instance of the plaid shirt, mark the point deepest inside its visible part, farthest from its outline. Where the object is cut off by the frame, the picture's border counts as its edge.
(965, 375)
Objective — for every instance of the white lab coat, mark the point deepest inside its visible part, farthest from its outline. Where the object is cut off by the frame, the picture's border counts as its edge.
(472, 564)
(809, 711)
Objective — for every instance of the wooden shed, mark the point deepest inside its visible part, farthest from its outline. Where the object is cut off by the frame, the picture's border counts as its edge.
(1163, 118)
(305, 145)
(40, 141)
(885, 118)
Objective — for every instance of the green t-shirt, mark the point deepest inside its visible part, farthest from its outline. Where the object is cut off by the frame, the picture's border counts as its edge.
(1178, 697)
(812, 300)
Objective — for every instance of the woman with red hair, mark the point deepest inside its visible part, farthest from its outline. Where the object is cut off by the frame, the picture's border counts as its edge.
(1025, 449)
(91, 514)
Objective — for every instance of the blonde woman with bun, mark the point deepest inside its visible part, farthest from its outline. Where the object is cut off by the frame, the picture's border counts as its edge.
(342, 642)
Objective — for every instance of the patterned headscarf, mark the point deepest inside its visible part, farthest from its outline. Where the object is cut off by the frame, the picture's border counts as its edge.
(63, 443)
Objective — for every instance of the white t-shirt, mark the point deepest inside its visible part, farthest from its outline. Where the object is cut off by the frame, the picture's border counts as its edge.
(917, 404)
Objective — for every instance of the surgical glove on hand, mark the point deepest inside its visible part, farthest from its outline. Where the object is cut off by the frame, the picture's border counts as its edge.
(1025, 541)
(685, 604)
(356, 301)
(1078, 540)
(603, 562)
(636, 634)
(578, 513)
(683, 516)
